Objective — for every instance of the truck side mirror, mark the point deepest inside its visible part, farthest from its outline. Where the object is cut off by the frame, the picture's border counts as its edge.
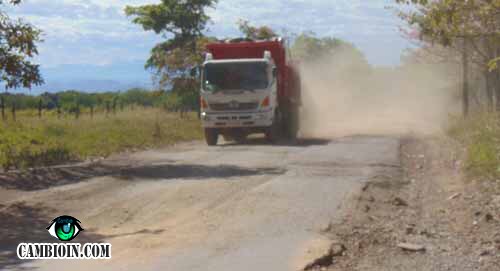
(194, 71)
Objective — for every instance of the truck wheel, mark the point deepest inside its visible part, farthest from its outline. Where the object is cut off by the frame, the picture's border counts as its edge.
(211, 136)
(273, 133)
(240, 138)
(293, 124)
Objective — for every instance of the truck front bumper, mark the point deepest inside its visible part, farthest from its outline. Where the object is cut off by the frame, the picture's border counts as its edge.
(237, 119)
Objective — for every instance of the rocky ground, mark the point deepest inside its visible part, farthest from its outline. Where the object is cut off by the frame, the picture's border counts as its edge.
(429, 217)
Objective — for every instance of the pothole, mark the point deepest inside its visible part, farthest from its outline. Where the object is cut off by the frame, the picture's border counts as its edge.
(328, 259)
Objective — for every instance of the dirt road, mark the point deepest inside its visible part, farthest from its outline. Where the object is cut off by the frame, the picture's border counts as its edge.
(249, 207)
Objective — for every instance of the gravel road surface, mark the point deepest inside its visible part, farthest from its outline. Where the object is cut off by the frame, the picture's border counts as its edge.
(192, 207)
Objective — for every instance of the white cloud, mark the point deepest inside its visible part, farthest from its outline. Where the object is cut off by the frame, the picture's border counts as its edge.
(98, 32)
(86, 31)
(368, 24)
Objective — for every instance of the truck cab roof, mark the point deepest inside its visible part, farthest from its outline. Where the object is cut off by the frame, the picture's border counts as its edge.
(243, 60)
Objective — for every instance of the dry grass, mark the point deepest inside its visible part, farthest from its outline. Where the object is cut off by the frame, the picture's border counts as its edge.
(480, 134)
(30, 141)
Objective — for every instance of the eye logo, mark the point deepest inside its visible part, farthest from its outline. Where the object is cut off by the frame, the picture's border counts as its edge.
(65, 228)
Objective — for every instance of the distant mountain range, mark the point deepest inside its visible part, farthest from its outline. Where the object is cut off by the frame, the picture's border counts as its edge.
(90, 78)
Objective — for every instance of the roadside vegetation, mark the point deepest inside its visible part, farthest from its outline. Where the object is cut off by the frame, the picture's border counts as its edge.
(466, 34)
(54, 128)
(480, 134)
(53, 139)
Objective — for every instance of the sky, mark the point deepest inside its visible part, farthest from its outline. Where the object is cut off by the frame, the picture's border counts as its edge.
(92, 45)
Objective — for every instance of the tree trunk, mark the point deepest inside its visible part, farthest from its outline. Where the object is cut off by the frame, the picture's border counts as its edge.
(497, 88)
(465, 79)
(490, 90)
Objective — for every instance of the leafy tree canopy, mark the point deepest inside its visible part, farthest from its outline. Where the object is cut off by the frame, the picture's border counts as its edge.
(181, 23)
(17, 48)
(170, 62)
(449, 23)
(183, 19)
(309, 48)
(256, 33)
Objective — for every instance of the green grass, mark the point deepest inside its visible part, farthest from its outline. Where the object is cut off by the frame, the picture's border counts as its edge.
(31, 142)
(480, 134)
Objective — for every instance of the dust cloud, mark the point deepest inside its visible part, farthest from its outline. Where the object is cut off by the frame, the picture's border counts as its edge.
(342, 96)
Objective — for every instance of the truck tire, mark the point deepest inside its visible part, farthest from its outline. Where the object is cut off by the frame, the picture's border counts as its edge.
(273, 133)
(293, 124)
(241, 138)
(211, 136)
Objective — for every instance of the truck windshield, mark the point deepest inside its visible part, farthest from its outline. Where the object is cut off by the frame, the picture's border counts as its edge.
(235, 76)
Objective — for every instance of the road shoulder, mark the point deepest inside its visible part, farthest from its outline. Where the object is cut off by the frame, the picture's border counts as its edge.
(428, 218)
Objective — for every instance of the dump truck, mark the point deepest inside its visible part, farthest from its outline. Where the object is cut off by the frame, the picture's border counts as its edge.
(249, 87)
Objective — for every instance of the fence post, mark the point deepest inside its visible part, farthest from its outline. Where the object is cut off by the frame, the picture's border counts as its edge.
(92, 112)
(58, 110)
(114, 106)
(77, 111)
(40, 108)
(14, 110)
(2, 105)
(107, 108)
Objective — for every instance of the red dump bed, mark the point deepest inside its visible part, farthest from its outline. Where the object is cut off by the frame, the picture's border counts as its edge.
(288, 80)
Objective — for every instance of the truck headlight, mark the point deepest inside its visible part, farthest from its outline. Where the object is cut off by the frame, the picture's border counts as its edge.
(204, 116)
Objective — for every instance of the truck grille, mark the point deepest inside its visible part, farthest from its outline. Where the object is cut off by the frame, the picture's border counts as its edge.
(234, 106)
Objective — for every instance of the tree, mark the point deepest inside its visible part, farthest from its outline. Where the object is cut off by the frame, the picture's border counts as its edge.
(470, 27)
(309, 48)
(169, 63)
(181, 23)
(17, 48)
(256, 33)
